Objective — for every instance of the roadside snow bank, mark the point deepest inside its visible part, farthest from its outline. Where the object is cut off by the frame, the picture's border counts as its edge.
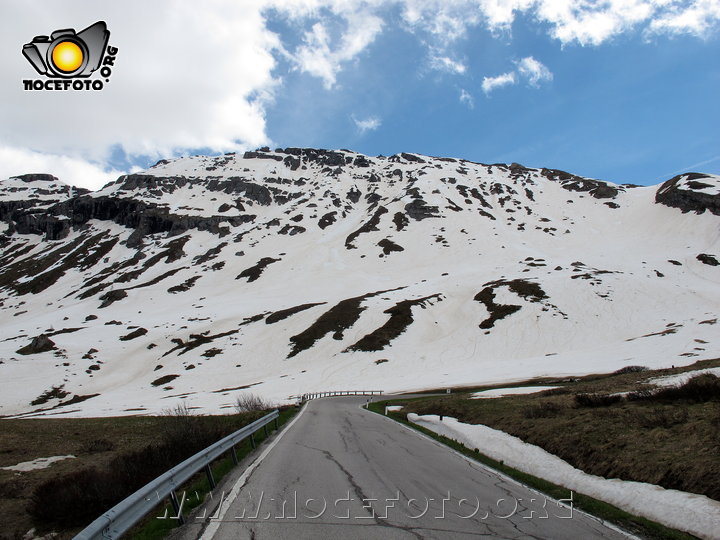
(39, 463)
(696, 514)
(681, 378)
(500, 392)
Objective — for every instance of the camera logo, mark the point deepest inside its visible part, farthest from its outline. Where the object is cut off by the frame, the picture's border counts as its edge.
(67, 58)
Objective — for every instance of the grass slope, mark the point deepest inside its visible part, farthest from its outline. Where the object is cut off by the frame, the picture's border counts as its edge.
(672, 440)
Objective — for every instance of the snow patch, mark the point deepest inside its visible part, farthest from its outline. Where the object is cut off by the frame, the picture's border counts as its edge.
(35, 464)
(500, 392)
(681, 378)
(696, 514)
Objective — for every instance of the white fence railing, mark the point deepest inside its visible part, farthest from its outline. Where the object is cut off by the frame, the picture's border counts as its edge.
(317, 395)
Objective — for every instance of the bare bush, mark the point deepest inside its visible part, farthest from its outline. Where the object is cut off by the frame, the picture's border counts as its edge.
(555, 391)
(97, 445)
(545, 409)
(639, 395)
(250, 402)
(182, 425)
(596, 400)
(662, 418)
(14, 488)
(630, 369)
(701, 388)
(76, 498)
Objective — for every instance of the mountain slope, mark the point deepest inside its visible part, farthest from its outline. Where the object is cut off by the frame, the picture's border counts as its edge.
(298, 270)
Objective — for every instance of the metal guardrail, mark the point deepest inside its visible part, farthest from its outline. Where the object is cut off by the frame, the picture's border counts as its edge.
(125, 514)
(316, 395)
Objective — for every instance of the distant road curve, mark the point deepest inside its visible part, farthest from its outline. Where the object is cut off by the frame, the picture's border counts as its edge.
(341, 472)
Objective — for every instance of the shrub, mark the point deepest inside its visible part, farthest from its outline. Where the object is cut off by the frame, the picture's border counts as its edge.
(703, 387)
(639, 395)
(596, 400)
(545, 409)
(555, 391)
(250, 402)
(661, 417)
(13, 488)
(75, 499)
(96, 446)
(630, 369)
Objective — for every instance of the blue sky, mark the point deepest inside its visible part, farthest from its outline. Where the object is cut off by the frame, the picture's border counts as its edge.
(621, 90)
(633, 109)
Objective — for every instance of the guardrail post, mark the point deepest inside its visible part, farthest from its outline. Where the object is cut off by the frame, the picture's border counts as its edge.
(233, 454)
(265, 430)
(252, 440)
(209, 473)
(176, 506)
(277, 424)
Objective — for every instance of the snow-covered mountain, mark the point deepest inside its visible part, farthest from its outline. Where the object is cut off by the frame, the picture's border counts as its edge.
(298, 270)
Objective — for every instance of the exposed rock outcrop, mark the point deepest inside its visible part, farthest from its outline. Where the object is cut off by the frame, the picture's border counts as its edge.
(682, 192)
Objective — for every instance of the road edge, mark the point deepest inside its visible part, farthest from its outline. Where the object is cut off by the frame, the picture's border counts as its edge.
(214, 524)
(413, 429)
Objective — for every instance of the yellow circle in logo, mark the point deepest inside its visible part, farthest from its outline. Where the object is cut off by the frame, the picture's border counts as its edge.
(67, 56)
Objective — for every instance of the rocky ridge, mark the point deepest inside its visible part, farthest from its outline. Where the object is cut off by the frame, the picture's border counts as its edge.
(299, 269)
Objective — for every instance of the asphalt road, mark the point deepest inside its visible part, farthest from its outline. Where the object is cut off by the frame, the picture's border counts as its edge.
(341, 472)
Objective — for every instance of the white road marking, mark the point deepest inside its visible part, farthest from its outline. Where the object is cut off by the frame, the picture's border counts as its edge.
(214, 525)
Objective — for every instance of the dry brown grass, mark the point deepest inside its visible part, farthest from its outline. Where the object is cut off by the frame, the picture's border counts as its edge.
(94, 441)
(674, 443)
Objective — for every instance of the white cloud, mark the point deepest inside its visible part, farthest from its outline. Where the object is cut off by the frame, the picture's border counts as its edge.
(466, 98)
(592, 22)
(444, 20)
(697, 18)
(370, 123)
(320, 57)
(533, 71)
(586, 22)
(314, 56)
(77, 172)
(184, 78)
(528, 68)
(189, 77)
(500, 14)
(491, 83)
(444, 63)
